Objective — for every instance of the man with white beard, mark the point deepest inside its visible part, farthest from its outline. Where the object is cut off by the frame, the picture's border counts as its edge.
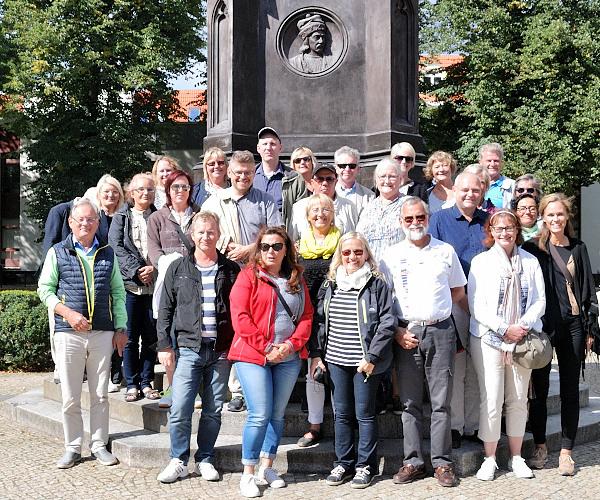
(426, 278)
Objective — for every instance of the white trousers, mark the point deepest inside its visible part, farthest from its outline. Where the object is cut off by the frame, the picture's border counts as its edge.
(315, 399)
(75, 353)
(499, 385)
(464, 405)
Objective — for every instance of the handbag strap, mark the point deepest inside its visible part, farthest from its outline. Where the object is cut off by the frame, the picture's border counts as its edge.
(183, 237)
(285, 305)
(560, 263)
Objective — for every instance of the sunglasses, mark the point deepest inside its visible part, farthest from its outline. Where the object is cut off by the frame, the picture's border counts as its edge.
(358, 253)
(304, 158)
(265, 247)
(180, 187)
(351, 166)
(322, 180)
(409, 219)
(408, 159)
(525, 190)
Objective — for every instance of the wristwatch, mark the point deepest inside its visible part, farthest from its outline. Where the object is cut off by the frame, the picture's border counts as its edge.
(121, 330)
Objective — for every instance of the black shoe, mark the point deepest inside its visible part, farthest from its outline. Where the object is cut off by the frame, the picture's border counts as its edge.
(455, 439)
(338, 475)
(362, 478)
(236, 404)
(315, 437)
(397, 406)
(473, 438)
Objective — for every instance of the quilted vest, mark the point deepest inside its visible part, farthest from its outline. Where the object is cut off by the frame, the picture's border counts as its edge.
(72, 287)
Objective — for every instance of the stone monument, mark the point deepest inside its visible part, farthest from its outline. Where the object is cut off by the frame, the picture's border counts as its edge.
(323, 74)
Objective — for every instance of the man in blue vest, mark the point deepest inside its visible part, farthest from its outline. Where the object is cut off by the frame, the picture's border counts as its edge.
(81, 282)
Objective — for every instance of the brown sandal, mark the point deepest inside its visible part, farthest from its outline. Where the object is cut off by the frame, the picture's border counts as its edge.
(132, 395)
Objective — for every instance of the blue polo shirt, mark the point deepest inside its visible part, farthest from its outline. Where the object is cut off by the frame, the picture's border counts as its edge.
(466, 237)
(495, 194)
(270, 185)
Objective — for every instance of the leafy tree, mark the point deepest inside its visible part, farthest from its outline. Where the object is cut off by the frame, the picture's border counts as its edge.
(530, 79)
(87, 85)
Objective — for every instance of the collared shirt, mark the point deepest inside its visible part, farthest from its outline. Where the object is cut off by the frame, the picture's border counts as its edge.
(270, 184)
(494, 194)
(81, 250)
(422, 279)
(381, 225)
(357, 194)
(256, 209)
(451, 226)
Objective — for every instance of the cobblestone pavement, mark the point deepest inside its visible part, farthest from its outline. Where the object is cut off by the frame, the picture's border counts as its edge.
(29, 472)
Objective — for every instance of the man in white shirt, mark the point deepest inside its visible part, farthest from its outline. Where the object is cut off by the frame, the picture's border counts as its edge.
(323, 181)
(347, 166)
(426, 278)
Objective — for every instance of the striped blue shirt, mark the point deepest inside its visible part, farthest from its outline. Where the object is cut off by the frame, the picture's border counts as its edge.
(209, 317)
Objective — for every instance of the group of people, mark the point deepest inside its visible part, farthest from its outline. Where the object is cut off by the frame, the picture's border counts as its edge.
(235, 283)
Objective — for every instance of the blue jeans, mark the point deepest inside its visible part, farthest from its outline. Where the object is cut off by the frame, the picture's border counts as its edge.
(213, 369)
(354, 400)
(267, 390)
(138, 366)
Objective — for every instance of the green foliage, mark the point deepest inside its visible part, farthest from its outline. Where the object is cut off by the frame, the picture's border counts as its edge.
(87, 85)
(530, 80)
(24, 335)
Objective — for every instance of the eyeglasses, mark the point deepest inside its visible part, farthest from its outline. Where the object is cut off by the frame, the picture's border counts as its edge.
(323, 180)
(83, 220)
(408, 159)
(409, 218)
(389, 178)
(221, 163)
(141, 190)
(527, 209)
(317, 211)
(265, 247)
(243, 173)
(351, 166)
(358, 253)
(525, 190)
(110, 192)
(180, 187)
(304, 158)
(501, 229)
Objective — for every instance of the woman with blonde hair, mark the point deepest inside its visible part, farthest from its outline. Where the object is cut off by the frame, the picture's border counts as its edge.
(214, 166)
(405, 155)
(353, 328)
(304, 162)
(161, 169)
(440, 168)
(571, 310)
(317, 247)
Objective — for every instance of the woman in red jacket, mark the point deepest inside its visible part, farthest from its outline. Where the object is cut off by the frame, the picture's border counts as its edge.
(267, 347)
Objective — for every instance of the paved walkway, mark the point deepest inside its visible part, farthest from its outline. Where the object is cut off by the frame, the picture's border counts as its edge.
(29, 472)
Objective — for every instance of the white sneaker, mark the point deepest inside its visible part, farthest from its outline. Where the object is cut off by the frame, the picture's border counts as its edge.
(113, 387)
(248, 487)
(207, 471)
(487, 469)
(173, 471)
(268, 475)
(519, 467)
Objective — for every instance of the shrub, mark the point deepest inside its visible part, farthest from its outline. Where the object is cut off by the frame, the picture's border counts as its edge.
(24, 333)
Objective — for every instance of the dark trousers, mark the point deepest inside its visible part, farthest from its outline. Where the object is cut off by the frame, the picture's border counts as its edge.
(569, 342)
(431, 363)
(354, 400)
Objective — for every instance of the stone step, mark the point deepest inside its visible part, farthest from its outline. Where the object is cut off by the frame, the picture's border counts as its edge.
(139, 447)
(147, 415)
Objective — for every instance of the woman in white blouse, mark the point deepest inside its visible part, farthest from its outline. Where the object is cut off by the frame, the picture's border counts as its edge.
(506, 299)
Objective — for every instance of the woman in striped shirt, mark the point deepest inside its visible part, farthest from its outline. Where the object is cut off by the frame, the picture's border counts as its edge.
(352, 331)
